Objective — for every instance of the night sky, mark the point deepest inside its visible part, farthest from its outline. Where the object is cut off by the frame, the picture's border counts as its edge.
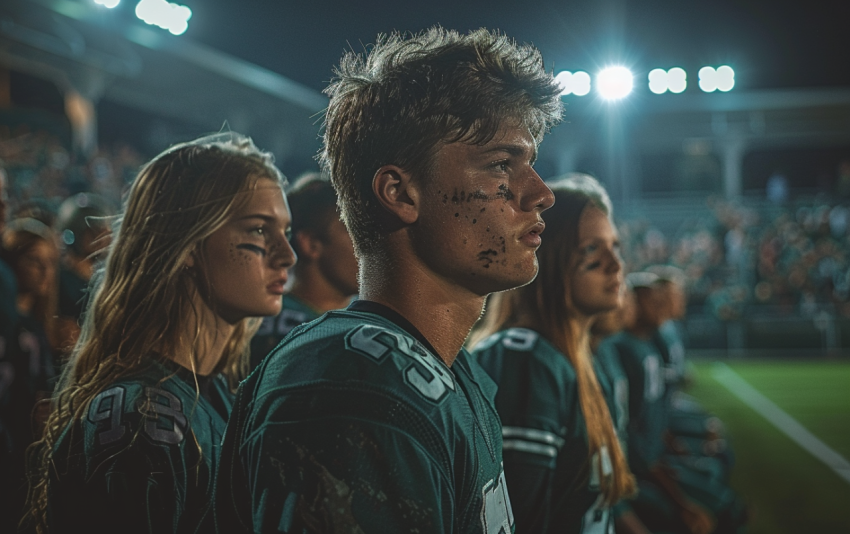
(770, 44)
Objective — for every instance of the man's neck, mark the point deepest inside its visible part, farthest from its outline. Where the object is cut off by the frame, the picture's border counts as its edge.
(444, 313)
(316, 291)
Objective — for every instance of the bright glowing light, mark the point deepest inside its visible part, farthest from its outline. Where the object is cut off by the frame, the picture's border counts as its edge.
(658, 81)
(573, 83)
(708, 79)
(108, 3)
(168, 16)
(677, 80)
(614, 83)
(581, 83)
(564, 79)
(725, 78)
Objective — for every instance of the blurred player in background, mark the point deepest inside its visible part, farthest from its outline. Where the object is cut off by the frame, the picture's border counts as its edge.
(607, 325)
(676, 494)
(374, 419)
(326, 272)
(27, 369)
(670, 286)
(84, 230)
(563, 461)
(131, 442)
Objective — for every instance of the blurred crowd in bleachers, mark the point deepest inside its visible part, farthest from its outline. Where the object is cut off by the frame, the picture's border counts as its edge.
(43, 171)
(751, 256)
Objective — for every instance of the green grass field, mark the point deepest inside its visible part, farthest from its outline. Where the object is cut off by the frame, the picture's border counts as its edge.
(790, 491)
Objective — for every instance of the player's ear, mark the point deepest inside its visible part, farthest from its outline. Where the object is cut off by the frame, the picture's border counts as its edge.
(395, 190)
(308, 245)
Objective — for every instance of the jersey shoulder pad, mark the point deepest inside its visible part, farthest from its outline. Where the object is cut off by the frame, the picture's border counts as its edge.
(356, 350)
(523, 348)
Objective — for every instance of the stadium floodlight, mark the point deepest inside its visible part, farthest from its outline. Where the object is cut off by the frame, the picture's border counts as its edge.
(674, 80)
(614, 83)
(108, 3)
(725, 78)
(564, 80)
(168, 16)
(708, 79)
(677, 80)
(658, 81)
(573, 83)
(711, 79)
(581, 83)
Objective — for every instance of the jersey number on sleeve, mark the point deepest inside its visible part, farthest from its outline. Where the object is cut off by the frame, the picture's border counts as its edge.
(108, 404)
(164, 406)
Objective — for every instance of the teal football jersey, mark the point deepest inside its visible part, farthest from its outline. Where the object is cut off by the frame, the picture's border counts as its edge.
(143, 458)
(668, 340)
(615, 384)
(293, 312)
(353, 424)
(648, 405)
(546, 452)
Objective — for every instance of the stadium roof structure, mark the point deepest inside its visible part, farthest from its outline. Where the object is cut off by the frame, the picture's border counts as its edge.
(73, 45)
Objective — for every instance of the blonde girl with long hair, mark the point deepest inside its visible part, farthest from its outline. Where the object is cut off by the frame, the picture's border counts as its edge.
(200, 249)
(564, 466)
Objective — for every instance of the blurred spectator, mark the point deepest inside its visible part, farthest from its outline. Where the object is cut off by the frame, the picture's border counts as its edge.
(84, 231)
(777, 188)
(26, 365)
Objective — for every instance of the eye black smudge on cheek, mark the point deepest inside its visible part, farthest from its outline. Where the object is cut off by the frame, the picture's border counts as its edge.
(487, 257)
(457, 214)
(254, 249)
(505, 193)
(474, 221)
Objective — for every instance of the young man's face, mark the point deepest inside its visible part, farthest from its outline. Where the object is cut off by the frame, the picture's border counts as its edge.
(480, 224)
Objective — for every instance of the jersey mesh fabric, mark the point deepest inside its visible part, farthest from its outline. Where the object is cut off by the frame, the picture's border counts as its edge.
(544, 433)
(351, 425)
(142, 459)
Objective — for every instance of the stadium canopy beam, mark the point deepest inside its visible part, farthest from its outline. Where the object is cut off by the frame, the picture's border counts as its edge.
(225, 65)
(161, 74)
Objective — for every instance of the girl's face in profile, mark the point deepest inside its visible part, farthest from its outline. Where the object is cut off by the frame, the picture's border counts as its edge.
(246, 260)
(596, 280)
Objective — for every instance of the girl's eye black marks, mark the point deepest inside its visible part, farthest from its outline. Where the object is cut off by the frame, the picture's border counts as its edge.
(252, 248)
(592, 266)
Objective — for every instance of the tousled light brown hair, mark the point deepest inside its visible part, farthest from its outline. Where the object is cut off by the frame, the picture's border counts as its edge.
(545, 305)
(143, 296)
(397, 103)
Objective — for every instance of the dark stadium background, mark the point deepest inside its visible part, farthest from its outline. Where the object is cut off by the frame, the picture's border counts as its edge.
(769, 275)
